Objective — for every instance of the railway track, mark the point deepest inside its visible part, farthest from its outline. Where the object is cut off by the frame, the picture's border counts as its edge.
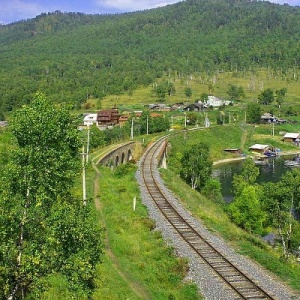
(238, 282)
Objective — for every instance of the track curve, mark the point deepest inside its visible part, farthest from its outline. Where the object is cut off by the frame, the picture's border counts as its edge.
(239, 283)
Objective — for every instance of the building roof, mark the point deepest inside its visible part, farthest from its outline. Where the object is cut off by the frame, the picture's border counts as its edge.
(90, 117)
(290, 135)
(258, 147)
(155, 115)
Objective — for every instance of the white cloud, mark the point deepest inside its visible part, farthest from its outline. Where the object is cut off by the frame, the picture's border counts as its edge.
(290, 2)
(133, 5)
(17, 9)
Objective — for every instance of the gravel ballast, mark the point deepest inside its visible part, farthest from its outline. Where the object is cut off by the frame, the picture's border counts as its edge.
(209, 284)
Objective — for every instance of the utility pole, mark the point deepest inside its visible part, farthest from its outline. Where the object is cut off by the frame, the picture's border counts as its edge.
(147, 125)
(131, 134)
(206, 122)
(83, 177)
(88, 145)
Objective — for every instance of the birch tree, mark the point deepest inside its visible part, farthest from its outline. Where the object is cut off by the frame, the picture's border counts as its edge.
(281, 200)
(196, 165)
(36, 189)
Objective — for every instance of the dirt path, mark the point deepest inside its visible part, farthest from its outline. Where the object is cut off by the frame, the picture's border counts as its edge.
(134, 285)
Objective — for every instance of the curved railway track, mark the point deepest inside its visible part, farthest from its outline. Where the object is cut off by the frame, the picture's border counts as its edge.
(239, 283)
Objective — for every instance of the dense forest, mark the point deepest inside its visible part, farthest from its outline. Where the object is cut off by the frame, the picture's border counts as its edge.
(72, 56)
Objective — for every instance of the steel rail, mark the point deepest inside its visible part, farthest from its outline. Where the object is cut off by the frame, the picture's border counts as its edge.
(239, 282)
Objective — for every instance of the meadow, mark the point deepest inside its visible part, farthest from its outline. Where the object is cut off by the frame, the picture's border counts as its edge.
(215, 84)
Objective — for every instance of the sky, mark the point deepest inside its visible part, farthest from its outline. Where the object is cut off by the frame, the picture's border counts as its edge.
(16, 10)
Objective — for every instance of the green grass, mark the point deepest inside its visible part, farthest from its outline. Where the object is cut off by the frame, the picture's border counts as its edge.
(199, 83)
(140, 264)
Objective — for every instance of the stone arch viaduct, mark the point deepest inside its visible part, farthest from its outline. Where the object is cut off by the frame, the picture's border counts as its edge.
(118, 156)
(125, 153)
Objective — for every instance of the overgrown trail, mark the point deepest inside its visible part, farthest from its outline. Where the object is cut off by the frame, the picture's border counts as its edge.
(244, 136)
(134, 285)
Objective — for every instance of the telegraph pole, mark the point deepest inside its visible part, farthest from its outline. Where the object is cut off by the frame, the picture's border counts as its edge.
(88, 145)
(131, 134)
(147, 125)
(83, 177)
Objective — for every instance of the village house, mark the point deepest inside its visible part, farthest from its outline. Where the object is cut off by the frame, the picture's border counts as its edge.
(194, 107)
(178, 106)
(108, 117)
(292, 138)
(268, 118)
(155, 115)
(215, 102)
(158, 107)
(123, 119)
(260, 149)
(90, 119)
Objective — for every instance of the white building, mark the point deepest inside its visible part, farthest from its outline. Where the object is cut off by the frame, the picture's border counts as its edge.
(215, 102)
(90, 119)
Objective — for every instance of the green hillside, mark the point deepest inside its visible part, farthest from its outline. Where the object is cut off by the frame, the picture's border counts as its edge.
(72, 57)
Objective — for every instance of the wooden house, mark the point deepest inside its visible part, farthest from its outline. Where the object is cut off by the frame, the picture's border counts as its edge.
(291, 137)
(260, 149)
(194, 107)
(108, 117)
(123, 119)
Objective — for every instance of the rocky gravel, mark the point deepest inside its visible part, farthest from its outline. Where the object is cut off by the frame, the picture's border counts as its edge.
(210, 286)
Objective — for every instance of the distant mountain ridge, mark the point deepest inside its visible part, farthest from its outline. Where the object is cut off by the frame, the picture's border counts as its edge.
(72, 56)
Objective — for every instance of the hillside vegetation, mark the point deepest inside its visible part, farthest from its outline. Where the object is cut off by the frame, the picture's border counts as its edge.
(72, 57)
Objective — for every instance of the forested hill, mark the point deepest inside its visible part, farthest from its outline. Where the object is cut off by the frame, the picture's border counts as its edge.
(72, 56)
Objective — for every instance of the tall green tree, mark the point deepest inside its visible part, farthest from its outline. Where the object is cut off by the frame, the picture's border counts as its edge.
(44, 229)
(204, 97)
(196, 165)
(253, 113)
(266, 96)
(235, 92)
(246, 210)
(247, 177)
(188, 92)
(97, 137)
(280, 94)
(281, 201)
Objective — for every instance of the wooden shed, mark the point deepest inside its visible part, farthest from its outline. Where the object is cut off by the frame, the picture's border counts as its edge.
(291, 137)
(259, 148)
(236, 151)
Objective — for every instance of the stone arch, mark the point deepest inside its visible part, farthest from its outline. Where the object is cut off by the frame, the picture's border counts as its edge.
(129, 155)
(117, 161)
(123, 161)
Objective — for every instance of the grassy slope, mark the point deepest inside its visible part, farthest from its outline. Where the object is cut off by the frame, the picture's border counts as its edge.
(137, 263)
(200, 84)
